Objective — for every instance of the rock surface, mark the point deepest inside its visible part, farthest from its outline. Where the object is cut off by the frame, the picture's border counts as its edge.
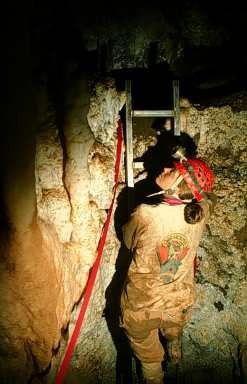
(55, 193)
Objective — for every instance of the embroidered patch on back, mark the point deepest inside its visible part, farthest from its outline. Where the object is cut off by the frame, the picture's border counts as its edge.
(171, 253)
(175, 246)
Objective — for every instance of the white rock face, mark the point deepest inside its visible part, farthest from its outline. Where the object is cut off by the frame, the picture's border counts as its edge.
(74, 186)
(53, 203)
(105, 105)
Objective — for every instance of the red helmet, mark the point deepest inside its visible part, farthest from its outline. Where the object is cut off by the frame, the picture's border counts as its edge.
(197, 175)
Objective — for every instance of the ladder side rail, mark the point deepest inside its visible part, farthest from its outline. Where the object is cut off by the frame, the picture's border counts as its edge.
(129, 136)
(176, 107)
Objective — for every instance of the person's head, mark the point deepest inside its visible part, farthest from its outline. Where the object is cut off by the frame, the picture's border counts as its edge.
(198, 179)
(197, 175)
(191, 180)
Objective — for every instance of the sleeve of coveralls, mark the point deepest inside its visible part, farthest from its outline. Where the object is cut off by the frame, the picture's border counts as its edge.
(130, 228)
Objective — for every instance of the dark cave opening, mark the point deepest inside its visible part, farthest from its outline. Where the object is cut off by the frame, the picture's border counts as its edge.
(152, 87)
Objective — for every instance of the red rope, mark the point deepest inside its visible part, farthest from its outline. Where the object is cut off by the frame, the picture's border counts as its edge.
(93, 273)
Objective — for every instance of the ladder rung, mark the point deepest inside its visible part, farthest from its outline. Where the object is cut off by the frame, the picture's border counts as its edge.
(166, 113)
(138, 164)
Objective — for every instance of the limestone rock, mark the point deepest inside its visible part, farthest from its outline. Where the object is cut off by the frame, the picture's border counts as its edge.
(103, 114)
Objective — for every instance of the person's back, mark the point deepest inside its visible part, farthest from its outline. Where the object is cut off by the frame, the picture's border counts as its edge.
(163, 236)
(164, 248)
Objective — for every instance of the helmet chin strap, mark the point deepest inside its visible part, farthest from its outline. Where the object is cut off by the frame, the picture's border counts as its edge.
(170, 191)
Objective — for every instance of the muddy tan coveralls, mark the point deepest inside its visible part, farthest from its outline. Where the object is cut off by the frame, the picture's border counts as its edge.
(159, 289)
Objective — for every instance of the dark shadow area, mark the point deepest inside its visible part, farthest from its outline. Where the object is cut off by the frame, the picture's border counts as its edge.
(112, 315)
(160, 155)
(151, 88)
(5, 233)
(155, 159)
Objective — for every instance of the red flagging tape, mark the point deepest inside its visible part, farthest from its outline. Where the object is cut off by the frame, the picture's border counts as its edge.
(93, 273)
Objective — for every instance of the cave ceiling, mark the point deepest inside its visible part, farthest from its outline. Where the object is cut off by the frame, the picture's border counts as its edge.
(202, 43)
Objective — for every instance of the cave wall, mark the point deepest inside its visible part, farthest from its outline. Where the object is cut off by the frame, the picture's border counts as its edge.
(68, 160)
(53, 206)
(74, 181)
(216, 335)
(56, 185)
(48, 263)
(21, 250)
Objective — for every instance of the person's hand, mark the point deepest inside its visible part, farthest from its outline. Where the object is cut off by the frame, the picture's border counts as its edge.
(175, 350)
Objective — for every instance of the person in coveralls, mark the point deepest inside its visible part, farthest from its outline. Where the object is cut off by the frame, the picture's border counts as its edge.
(163, 234)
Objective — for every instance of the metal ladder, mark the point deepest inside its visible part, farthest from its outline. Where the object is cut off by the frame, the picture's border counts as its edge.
(175, 113)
